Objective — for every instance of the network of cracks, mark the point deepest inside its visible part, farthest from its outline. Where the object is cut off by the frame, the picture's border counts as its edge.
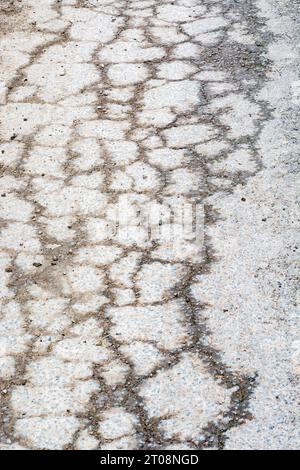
(136, 105)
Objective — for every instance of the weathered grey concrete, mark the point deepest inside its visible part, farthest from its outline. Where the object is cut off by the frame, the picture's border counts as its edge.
(124, 340)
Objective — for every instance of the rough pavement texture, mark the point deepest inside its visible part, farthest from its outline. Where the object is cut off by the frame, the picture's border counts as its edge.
(120, 342)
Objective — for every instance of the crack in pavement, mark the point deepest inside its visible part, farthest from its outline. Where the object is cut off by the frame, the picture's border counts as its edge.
(115, 108)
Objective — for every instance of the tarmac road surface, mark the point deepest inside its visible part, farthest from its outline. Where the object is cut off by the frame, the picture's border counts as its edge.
(149, 224)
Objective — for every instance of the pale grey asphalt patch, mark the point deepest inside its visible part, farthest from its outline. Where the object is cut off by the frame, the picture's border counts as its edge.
(126, 339)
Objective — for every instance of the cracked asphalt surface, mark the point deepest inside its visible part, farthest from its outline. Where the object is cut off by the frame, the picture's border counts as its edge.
(125, 339)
